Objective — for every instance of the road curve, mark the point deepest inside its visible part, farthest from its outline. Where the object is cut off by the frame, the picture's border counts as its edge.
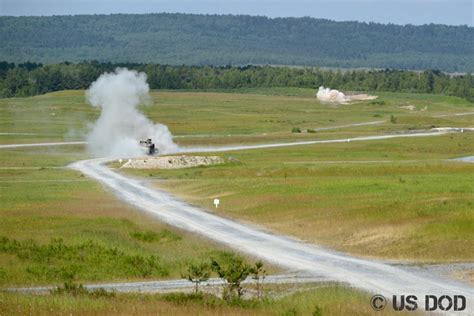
(177, 285)
(310, 142)
(370, 275)
(469, 159)
(314, 129)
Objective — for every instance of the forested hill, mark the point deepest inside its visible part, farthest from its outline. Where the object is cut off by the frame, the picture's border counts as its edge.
(225, 39)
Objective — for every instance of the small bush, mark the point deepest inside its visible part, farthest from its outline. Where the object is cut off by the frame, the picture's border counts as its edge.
(317, 311)
(74, 289)
(197, 273)
(296, 130)
(393, 119)
(309, 130)
(233, 270)
(70, 289)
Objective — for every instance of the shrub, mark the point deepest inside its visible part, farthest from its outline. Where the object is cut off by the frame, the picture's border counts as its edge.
(70, 288)
(296, 130)
(197, 273)
(233, 270)
(317, 311)
(377, 102)
(258, 274)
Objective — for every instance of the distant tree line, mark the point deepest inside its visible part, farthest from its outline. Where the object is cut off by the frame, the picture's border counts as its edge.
(26, 79)
(193, 39)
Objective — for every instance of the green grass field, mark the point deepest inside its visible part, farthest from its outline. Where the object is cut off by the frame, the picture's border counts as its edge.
(393, 199)
(397, 199)
(46, 203)
(304, 300)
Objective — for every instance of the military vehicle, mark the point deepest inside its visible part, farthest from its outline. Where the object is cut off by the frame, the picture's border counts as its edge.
(151, 149)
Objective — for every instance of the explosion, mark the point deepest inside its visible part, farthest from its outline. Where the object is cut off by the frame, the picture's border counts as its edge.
(120, 126)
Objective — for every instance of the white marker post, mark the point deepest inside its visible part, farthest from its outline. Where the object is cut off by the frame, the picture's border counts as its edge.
(216, 202)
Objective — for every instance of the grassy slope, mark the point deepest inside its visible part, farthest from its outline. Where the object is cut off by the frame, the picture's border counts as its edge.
(413, 206)
(33, 207)
(46, 203)
(419, 210)
(50, 202)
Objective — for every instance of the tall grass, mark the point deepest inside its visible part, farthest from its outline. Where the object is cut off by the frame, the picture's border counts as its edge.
(59, 261)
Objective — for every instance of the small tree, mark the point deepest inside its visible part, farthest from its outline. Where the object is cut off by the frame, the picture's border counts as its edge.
(234, 270)
(197, 273)
(393, 119)
(258, 274)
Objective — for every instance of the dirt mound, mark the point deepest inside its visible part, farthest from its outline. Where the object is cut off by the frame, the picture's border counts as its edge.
(172, 162)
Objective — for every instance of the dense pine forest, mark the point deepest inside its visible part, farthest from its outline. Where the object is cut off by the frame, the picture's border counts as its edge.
(27, 79)
(177, 39)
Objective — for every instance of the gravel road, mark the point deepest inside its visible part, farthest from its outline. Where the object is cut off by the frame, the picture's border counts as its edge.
(371, 275)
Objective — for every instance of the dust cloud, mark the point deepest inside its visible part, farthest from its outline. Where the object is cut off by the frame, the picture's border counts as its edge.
(120, 126)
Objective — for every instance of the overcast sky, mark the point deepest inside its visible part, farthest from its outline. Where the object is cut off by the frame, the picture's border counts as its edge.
(454, 12)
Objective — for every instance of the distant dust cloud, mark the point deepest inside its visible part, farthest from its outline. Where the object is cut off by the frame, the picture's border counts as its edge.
(331, 96)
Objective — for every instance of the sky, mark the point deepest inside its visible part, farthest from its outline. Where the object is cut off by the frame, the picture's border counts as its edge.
(452, 12)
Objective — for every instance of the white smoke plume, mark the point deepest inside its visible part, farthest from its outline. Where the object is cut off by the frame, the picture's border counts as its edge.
(331, 96)
(120, 126)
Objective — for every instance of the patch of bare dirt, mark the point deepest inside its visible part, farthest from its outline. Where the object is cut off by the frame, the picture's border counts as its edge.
(172, 162)
(361, 97)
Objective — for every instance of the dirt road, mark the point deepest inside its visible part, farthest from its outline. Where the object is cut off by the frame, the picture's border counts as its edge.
(370, 275)
(41, 144)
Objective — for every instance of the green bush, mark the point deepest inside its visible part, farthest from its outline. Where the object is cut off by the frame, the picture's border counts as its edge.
(317, 311)
(70, 288)
(296, 130)
(377, 102)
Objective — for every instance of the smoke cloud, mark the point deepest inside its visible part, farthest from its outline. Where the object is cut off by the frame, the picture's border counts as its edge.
(120, 126)
(331, 96)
